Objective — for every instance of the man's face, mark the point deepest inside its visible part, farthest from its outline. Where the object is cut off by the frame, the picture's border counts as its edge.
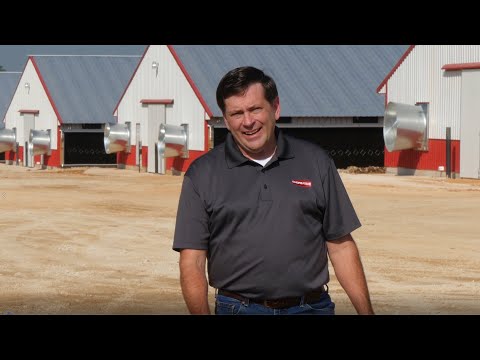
(251, 120)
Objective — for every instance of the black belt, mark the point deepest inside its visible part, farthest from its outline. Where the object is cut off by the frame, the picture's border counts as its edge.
(282, 303)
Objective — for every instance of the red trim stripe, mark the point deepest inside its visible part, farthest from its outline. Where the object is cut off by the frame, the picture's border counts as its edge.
(404, 56)
(464, 66)
(425, 160)
(34, 112)
(49, 96)
(133, 75)
(190, 81)
(157, 101)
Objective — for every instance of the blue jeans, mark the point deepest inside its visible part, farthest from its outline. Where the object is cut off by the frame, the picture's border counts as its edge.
(228, 306)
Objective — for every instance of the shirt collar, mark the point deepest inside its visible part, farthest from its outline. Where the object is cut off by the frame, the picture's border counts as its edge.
(234, 157)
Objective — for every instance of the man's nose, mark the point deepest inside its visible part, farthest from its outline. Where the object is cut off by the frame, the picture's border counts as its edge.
(248, 119)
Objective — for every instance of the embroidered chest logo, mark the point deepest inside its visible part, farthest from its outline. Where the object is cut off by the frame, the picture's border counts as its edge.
(302, 183)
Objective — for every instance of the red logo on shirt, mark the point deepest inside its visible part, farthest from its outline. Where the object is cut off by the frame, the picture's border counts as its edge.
(302, 183)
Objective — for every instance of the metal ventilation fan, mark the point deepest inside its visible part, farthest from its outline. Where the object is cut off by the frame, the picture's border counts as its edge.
(116, 138)
(405, 127)
(8, 139)
(172, 142)
(39, 142)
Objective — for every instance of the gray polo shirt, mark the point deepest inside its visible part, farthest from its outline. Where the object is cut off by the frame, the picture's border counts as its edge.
(264, 227)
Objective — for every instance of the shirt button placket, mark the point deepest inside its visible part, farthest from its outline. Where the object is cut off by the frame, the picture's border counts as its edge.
(265, 190)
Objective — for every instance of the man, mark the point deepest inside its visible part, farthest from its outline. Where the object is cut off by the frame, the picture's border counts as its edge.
(264, 209)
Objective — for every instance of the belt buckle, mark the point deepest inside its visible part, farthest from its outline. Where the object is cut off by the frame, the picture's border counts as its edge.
(275, 303)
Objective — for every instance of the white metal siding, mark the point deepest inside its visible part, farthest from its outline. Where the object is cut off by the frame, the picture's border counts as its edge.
(36, 99)
(168, 83)
(420, 78)
(470, 128)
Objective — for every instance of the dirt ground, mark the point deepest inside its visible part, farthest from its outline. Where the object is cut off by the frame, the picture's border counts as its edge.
(98, 241)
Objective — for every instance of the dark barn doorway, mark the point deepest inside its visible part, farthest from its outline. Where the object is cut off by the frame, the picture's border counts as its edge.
(360, 146)
(86, 148)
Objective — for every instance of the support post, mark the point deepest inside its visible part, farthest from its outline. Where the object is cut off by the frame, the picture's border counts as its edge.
(448, 170)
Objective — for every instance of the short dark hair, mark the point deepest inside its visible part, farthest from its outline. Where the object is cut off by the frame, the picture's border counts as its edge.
(236, 81)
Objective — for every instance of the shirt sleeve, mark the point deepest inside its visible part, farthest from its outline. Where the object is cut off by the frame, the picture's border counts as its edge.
(191, 228)
(339, 218)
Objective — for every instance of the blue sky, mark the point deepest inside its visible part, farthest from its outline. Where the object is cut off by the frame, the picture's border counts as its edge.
(14, 57)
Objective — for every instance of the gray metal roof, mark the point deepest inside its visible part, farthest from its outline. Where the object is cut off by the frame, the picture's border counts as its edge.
(8, 84)
(312, 80)
(13, 57)
(85, 89)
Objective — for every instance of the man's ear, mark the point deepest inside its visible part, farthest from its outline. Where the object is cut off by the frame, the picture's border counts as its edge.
(277, 107)
(226, 123)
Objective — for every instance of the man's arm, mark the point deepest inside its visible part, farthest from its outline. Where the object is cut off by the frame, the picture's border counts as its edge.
(345, 258)
(193, 280)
